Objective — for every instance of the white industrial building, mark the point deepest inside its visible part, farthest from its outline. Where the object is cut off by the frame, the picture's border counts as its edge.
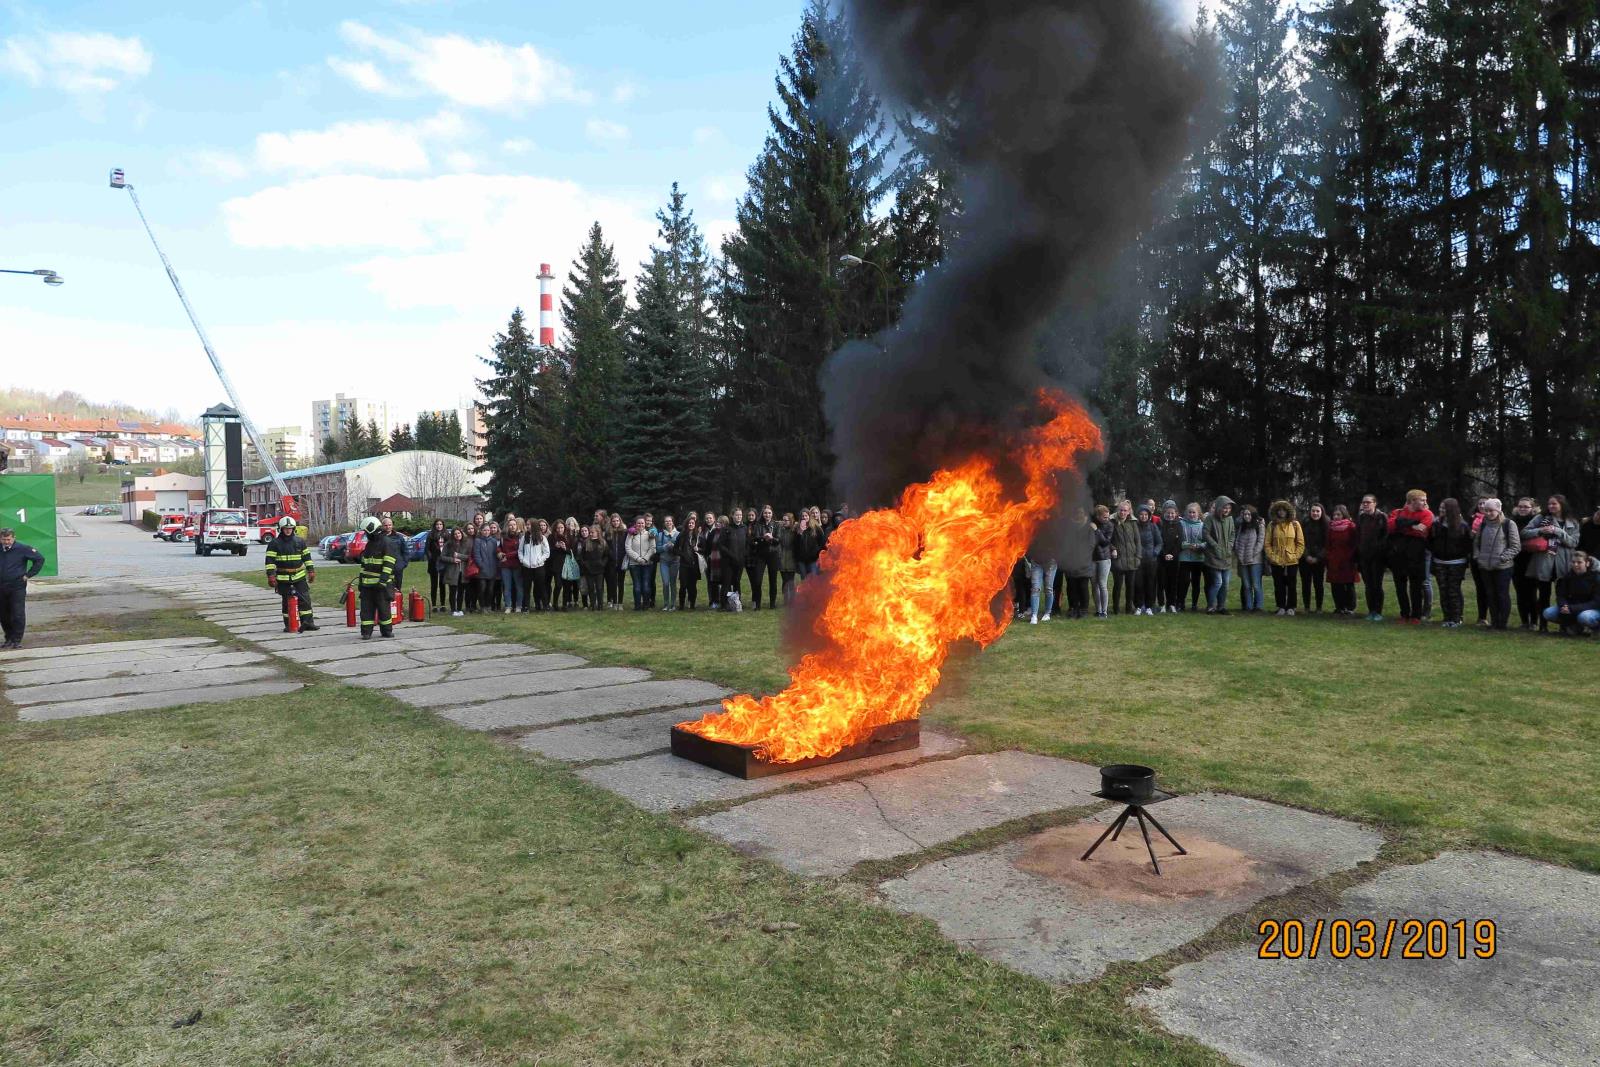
(333, 496)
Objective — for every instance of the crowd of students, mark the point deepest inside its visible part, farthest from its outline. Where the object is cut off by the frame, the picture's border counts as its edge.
(1144, 560)
(538, 565)
(1135, 559)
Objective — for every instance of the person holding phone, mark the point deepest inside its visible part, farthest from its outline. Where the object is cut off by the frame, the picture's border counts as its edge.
(1550, 538)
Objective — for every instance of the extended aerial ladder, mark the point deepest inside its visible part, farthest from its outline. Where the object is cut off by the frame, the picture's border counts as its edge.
(286, 499)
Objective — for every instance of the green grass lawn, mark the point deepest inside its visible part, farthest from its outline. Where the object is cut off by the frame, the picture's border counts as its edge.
(1434, 733)
(95, 488)
(337, 878)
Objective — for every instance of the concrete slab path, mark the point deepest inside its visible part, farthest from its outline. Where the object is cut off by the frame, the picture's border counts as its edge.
(128, 665)
(1535, 1002)
(1035, 906)
(210, 694)
(482, 690)
(96, 688)
(486, 668)
(550, 708)
(830, 830)
(666, 783)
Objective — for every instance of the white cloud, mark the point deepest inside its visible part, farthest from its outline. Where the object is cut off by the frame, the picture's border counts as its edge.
(375, 146)
(705, 136)
(478, 73)
(208, 164)
(605, 132)
(723, 189)
(465, 241)
(624, 93)
(78, 63)
(516, 146)
(363, 75)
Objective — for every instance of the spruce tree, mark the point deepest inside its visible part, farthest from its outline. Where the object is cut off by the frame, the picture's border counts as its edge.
(1349, 157)
(1253, 199)
(427, 436)
(448, 436)
(592, 311)
(401, 439)
(377, 443)
(356, 444)
(785, 304)
(512, 457)
(693, 367)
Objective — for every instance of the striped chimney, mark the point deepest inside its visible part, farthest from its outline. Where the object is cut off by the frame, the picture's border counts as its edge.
(547, 308)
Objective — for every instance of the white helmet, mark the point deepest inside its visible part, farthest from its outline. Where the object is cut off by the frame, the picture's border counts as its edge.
(287, 523)
(372, 524)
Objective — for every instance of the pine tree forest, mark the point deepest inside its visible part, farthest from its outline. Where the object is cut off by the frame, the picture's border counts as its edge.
(1378, 269)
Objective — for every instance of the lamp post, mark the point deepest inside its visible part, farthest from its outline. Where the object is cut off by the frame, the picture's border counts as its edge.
(856, 261)
(49, 277)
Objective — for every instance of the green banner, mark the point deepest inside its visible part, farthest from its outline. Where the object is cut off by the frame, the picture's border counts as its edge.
(28, 506)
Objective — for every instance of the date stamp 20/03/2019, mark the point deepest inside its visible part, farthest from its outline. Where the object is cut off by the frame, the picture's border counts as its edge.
(1377, 939)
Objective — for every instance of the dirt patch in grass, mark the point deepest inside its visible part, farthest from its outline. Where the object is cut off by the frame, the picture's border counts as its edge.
(1121, 869)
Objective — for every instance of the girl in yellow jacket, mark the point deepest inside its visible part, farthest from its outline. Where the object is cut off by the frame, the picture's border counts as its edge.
(1286, 543)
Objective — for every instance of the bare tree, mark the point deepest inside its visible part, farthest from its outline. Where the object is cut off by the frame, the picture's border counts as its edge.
(439, 482)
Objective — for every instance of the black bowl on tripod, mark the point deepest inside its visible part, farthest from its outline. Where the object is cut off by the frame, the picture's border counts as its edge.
(1130, 783)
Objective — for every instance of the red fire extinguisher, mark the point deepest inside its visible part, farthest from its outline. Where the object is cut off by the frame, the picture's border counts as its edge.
(394, 610)
(350, 604)
(294, 613)
(419, 607)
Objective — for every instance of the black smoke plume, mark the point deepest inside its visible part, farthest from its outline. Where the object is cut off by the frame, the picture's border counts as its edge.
(1068, 115)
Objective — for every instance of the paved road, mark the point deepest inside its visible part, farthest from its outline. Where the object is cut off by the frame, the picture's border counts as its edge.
(107, 547)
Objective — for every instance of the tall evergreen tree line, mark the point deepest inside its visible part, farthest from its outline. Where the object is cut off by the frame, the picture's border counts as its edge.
(1376, 270)
(1380, 272)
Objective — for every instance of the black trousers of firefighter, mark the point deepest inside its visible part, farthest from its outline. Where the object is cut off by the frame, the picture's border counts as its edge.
(300, 590)
(376, 602)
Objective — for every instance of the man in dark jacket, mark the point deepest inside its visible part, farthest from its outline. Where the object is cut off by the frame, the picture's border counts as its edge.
(399, 548)
(1372, 553)
(18, 564)
(734, 544)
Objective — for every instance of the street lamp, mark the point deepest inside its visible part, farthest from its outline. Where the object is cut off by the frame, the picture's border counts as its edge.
(50, 277)
(856, 261)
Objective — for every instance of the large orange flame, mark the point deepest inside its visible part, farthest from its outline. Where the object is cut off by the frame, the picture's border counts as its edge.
(905, 584)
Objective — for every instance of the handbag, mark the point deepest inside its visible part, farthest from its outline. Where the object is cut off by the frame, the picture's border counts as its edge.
(569, 568)
(472, 569)
(1536, 544)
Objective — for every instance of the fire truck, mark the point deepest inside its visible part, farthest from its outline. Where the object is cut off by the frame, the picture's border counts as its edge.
(223, 530)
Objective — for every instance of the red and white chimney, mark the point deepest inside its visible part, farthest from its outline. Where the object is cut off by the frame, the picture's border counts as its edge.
(547, 308)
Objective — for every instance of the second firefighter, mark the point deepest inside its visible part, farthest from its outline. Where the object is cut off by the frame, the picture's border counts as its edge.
(376, 581)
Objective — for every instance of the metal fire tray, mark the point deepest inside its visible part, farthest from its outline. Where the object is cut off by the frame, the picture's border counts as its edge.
(741, 762)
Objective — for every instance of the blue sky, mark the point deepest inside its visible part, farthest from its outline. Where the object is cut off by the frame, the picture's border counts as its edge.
(355, 195)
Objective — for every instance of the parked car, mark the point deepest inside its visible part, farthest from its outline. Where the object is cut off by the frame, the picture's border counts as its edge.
(322, 545)
(355, 546)
(336, 545)
(417, 546)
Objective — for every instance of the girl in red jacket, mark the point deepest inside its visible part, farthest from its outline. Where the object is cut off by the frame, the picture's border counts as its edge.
(1341, 554)
(1409, 528)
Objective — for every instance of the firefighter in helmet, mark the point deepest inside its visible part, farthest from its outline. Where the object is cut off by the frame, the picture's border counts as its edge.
(291, 572)
(376, 580)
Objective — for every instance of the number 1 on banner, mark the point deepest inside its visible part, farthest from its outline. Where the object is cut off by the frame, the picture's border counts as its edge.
(22, 516)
